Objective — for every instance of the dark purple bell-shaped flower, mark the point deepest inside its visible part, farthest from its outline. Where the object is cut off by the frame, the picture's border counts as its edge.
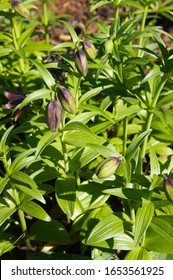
(53, 115)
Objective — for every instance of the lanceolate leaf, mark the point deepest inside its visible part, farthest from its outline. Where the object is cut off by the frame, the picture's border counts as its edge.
(3, 183)
(135, 144)
(34, 210)
(78, 134)
(162, 229)
(22, 160)
(44, 141)
(4, 138)
(143, 219)
(93, 92)
(139, 253)
(159, 237)
(154, 163)
(106, 151)
(38, 94)
(45, 74)
(109, 226)
(128, 193)
(6, 212)
(82, 157)
(52, 231)
(27, 185)
(125, 111)
(65, 191)
(71, 30)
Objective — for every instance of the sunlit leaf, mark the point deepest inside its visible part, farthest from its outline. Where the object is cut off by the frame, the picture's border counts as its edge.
(109, 226)
(159, 237)
(3, 182)
(45, 74)
(139, 253)
(65, 191)
(154, 163)
(48, 138)
(134, 145)
(27, 185)
(71, 30)
(34, 210)
(143, 219)
(35, 95)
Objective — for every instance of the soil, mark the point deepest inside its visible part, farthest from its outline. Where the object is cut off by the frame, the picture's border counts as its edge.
(80, 14)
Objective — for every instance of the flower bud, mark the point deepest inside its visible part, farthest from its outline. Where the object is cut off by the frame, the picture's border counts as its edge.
(107, 167)
(67, 100)
(108, 46)
(53, 115)
(20, 8)
(169, 188)
(90, 49)
(81, 62)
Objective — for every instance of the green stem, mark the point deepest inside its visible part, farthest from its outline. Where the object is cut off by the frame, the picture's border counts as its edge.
(15, 42)
(65, 155)
(144, 17)
(150, 114)
(77, 91)
(125, 122)
(78, 182)
(116, 12)
(17, 201)
(22, 219)
(45, 21)
(132, 211)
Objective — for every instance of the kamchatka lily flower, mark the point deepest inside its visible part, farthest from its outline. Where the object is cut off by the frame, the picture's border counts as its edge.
(53, 115)
(13, 100)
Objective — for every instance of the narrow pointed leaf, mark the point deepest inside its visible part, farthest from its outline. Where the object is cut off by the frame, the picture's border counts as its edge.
(6, 212)
(93, 92)
(38, 94)
(27, 185)
(48, 138)
(71, 30)
(135, 144)
(34, 210)
(52, 231)
(159, 236)
(3, 183)
(65, 191)
(106, 228)
(143, 219)
(139, 253)
(154, 163)
(47, 77)
(4, 138)
(22, 160)
(106, 151)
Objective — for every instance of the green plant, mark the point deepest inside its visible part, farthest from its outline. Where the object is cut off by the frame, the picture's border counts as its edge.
(100, 177)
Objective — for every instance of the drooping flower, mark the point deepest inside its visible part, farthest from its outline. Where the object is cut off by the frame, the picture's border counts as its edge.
(13, 100)
(20, 8)
(67, 100)
(53, 115)
(81, 62)
(90, 49)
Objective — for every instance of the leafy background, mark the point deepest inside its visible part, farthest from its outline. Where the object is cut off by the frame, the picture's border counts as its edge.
(53, 203)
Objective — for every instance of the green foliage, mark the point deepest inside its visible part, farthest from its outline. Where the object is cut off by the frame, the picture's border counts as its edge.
(120, 124)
